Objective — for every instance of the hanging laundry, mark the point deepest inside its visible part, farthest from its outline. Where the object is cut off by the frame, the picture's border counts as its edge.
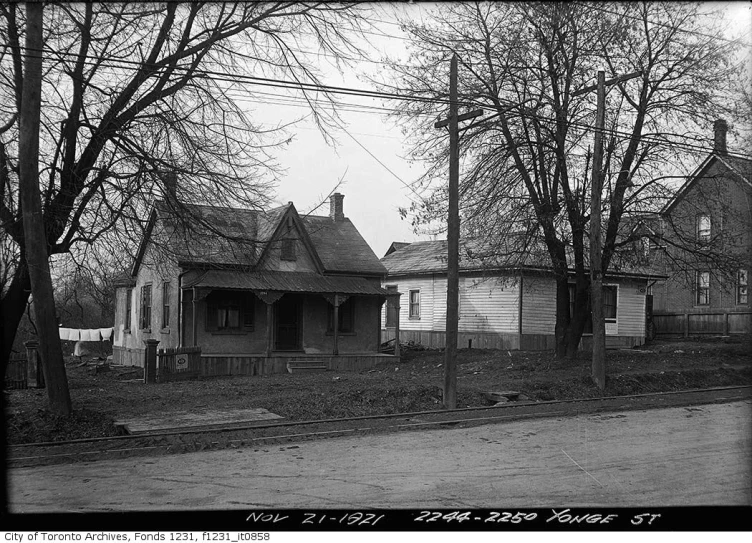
(90, 335)
(75, 334)
(106, 333)
(65, 333)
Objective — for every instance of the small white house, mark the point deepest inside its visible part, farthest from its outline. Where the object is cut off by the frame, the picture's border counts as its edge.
(499, 307)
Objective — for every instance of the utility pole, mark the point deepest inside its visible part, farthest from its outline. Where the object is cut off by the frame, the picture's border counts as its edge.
(453, 238)
(598, 367)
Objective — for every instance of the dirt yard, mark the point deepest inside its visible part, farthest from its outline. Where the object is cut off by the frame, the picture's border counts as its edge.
(412, 385)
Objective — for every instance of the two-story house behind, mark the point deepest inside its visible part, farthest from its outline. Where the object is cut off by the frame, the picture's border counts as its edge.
(702, 240)
(254, 289)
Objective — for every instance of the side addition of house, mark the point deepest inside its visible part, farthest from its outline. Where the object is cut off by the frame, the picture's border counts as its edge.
(499, 307)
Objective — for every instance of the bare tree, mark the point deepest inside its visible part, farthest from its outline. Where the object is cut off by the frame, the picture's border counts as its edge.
(135, 95)
(525, 181)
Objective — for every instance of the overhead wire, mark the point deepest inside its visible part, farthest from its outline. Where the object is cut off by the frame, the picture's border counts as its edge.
(360, 108)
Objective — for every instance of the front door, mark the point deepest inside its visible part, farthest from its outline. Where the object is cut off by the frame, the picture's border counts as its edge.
(287, 323)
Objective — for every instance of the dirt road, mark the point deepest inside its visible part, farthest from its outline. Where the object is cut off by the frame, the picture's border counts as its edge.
(699, 455)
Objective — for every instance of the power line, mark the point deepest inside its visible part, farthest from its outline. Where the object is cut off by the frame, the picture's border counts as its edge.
(262, 81)
(385, 166)
(595, 6)
(295, 85)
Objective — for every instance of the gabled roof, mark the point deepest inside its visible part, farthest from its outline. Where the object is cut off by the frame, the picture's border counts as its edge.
(210, 236)
(427, 257)
(340, 246)
(396, 246)
(274, 230)
(740, 169)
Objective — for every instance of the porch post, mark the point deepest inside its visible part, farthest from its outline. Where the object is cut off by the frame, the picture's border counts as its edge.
(396, 329)
(336, 325)
(195, 321)
(269, 329)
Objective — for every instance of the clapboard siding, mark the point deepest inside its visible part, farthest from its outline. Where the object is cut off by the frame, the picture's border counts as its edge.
(538, 305)
(427, 298)
(630, 309)
(487, 305)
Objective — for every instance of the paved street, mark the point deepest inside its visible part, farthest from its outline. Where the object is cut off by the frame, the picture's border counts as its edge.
(675, 456)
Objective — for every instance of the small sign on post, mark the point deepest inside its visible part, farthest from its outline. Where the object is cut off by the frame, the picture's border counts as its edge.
(181, 364)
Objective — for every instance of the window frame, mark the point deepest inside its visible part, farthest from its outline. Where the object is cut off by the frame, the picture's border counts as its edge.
(742, 288)
(415, 315)
(224, 301)
(704, 234)
(165, 304)
(392, 303)
(146, 306)
(288, 250)
(702, 290)
(615, 289)
(128, 309)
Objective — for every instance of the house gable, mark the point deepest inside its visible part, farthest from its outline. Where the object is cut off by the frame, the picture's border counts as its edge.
(711, 167)
(289, 247)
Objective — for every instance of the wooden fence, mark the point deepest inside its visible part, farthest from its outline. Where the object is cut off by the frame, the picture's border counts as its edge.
(178, 364)
(16, 373)
(720, 323)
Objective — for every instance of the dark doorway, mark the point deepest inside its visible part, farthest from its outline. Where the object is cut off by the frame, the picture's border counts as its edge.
(287, 321)
(391, 307)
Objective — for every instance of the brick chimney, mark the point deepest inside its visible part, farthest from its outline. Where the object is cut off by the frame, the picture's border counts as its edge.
(336, 212)
(720, 127)
(170, 191)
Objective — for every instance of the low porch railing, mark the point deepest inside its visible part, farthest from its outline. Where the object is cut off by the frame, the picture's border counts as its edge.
(178, 364)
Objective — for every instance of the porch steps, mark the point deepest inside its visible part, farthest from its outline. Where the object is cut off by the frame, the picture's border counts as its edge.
(306, 366)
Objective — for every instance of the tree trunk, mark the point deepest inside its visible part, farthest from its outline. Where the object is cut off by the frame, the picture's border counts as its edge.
(562, 316)
(12, 307)
(35, 238)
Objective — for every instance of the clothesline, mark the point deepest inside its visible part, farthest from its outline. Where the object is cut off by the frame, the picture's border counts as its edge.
(92, 334)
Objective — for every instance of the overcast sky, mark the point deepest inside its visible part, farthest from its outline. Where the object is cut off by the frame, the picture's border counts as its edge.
(370, 159)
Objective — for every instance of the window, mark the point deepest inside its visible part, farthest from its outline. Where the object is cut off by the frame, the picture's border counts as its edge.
(703, 228)
(610, 302)
(145, 307)
(228, 311)
(645, 248)
(288, 249)
(392, 306)
(702, 282)
(128, 298)
(165, 304)
(610, 297)
(414, 304)
(742, 282)
(346, 317)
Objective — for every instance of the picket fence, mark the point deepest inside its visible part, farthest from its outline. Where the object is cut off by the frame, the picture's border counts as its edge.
(16, 373)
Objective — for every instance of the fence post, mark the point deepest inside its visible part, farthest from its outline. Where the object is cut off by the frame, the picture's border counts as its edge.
(34, 372)
(150, 360)
(725, 323)
(686, 324)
